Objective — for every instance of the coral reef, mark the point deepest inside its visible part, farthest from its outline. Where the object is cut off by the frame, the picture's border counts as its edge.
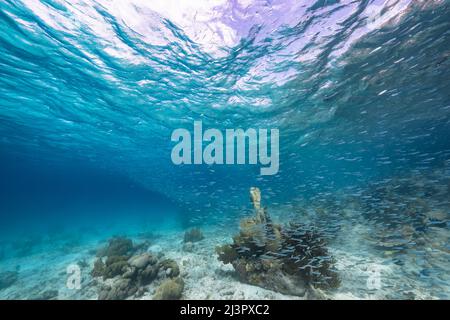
(122, 275)
(290, 259)
(7, 279)
(193, 235)
(170, 289)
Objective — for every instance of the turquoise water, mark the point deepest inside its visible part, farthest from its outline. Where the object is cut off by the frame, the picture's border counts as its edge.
(91, 91)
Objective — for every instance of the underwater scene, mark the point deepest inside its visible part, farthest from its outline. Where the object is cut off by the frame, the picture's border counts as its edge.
(224, 149)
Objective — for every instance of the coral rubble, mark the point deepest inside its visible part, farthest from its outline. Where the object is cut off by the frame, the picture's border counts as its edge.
(289, 259)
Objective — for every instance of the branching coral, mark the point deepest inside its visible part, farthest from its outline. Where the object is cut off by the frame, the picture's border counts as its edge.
(287, 259)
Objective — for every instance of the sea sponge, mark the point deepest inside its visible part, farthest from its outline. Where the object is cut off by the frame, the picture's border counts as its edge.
(193, 235)
(255, 197)
(261, 215)
(170, 289)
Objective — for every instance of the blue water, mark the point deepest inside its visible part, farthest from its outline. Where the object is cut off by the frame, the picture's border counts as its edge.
(90, 92)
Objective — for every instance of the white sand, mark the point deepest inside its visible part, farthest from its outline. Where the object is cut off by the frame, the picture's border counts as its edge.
(363, 276)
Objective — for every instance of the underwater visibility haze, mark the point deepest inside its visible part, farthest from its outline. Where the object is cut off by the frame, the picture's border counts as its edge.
(92, 205)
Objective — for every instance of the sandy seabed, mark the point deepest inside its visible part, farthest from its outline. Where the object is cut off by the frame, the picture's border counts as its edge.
(364, 275)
